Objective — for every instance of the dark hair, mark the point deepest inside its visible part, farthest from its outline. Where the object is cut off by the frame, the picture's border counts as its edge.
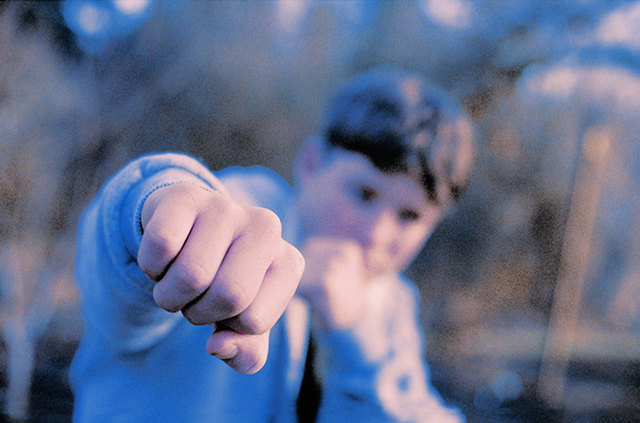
(403, 123)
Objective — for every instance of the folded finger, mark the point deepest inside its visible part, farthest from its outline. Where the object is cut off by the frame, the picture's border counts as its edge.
(166, 222)
(244, 353)
(197, 263)
(241, 272)
(275, 293)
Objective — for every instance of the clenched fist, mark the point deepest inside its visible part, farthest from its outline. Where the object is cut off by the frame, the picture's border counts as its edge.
(220, 263)
(334, 281)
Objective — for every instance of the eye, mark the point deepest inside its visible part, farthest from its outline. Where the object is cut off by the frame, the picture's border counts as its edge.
(366, 194)
(408, 215)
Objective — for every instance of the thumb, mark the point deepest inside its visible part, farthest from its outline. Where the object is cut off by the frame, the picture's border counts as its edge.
(244, 353)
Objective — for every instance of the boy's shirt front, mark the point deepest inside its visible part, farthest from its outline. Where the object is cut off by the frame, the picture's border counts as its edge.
(137, 362)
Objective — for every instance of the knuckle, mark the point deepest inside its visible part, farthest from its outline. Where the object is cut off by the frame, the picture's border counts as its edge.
(192, 277)
(164, 301)
(188, 194)
(220, 204)
(233, 299)
(295, 260)
(299, 263)
(195, 317)
(253, 323)
(147, 265)
(161, 241)
(267, 220)
(222, 209)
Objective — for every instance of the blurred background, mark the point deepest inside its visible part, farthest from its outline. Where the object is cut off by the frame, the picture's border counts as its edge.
(531, 287)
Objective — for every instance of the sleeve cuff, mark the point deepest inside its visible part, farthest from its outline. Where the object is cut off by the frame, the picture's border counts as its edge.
(125, 193)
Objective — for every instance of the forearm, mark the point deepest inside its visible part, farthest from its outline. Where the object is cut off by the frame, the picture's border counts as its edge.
(116, 295)
(375, 371)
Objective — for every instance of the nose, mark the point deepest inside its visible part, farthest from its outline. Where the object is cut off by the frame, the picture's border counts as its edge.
(379, 229)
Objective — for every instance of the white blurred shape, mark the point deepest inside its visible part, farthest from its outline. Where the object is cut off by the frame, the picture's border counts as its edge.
(453, 13)
(411, 90)
(507, 385)
(596, 144)
(558, 82)
(92, 18)
(605, 84)
(131, 7)
(621, 27)
(290, 13)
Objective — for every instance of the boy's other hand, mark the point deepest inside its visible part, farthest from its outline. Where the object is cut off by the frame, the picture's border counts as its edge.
(220, 263)
(333, 281)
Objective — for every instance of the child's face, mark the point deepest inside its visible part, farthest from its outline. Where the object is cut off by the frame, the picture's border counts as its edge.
(387, 214)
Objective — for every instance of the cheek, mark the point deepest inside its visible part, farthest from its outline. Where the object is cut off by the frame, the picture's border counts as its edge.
(341, 218)
(333, 215)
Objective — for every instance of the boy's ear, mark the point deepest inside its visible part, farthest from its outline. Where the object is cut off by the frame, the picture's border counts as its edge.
(310, 156)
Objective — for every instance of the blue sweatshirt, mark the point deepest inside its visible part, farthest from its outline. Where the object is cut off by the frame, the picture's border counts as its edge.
(136, 362)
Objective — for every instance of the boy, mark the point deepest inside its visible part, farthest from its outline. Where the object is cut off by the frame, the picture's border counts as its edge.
(166, 235)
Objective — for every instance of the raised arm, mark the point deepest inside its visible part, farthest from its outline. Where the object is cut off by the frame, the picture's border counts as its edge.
(220, 263)
(375, 370)
(162, 237)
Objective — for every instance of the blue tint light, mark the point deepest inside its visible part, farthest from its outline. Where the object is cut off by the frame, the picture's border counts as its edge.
(97, 22)
(450, 13)
(86, 18)
(292, 15)
(132, 7)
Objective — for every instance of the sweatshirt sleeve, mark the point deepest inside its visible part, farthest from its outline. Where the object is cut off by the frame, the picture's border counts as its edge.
(116, 296)
(376, 371)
